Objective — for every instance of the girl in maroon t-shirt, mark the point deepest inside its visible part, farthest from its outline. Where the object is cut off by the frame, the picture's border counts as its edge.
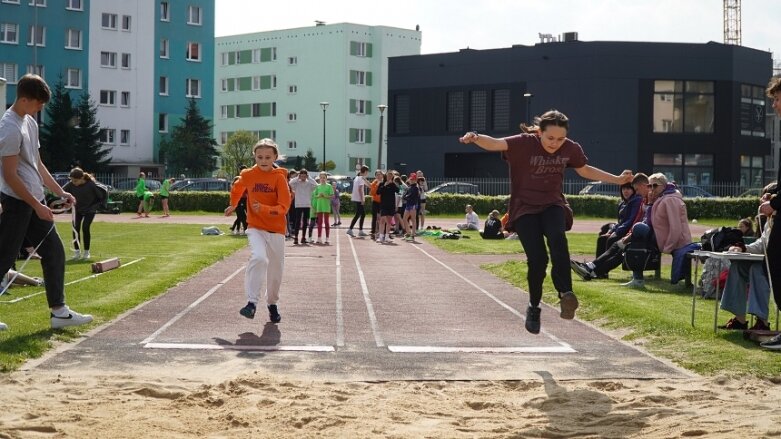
(537, 160)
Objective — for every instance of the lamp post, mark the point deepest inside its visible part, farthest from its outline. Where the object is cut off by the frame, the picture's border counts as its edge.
(529, 97)
(324, 106)
(382, 108)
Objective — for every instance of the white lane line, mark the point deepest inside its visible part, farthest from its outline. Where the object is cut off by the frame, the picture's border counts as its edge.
(192, 305)
(339, 305)
(265, 348)
(491, 350)
(367, 299)
(494, 298)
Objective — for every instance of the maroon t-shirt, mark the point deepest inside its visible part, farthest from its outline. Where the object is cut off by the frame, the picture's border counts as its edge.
(537, 176)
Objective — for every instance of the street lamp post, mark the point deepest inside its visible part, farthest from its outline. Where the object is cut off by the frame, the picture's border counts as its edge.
(382, 108)
(529, 97)
(324, 106)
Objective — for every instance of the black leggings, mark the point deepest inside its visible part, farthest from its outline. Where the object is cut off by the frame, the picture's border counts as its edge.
(300, 221)
(81, 226)
(773, 249)
(360, 214)
(533, 230)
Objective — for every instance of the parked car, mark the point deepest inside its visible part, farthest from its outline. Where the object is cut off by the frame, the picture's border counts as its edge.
(690, 191)
(455, 187)
(129, 184)
(201, 184)
(599, 188)
(753, 192)
(343, 182)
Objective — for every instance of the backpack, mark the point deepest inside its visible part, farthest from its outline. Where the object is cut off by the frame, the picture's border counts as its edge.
(102, 196)
(721, 238)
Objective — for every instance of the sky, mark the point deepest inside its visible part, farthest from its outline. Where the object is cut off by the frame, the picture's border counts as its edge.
(450, 25)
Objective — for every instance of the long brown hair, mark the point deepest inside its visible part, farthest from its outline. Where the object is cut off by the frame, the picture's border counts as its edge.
(79, 173)
(549, 118)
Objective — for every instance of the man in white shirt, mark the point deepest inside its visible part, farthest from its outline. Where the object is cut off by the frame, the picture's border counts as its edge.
(472, 220)
(302, 188)
(358, 199)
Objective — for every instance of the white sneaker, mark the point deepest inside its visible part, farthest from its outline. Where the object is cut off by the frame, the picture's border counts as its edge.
(319, 241)
(234, 232)
(350, 232)
(3, 326)
(327, 242)
(362, 233)
(76, 255)
(73, 319)
(635, 283)
(86, 255)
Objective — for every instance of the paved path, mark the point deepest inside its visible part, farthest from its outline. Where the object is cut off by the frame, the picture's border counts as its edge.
(357, 310)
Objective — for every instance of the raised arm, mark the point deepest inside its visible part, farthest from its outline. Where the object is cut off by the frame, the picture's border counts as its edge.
(591, 173)
(488, 143)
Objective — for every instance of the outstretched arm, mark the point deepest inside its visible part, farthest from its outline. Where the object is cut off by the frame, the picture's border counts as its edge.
(488, 143)
(591, 173)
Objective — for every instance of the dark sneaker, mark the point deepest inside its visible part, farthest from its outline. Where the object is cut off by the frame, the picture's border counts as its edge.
(533, 319)
(248, 311)
(774, 344)
(582, 270)
(734, 324)
(295, 241)
(568, 303)
(273, 314)
(303, 241)
(760, 326)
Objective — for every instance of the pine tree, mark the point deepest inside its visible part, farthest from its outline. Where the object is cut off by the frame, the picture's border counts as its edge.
(310, 162)
(190, 149)
(90, 152)
(57, 132)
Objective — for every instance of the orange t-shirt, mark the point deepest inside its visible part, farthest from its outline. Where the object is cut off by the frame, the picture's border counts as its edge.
(268, 197)
(504, 220)
(373, 190)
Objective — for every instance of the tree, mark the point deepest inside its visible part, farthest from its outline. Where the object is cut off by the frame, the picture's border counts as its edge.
(329, 165)
(310, 162)
(58, 131)
(237, 151)
(89, 150)
(190, 149)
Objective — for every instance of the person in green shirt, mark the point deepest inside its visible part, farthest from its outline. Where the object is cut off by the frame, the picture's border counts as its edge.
(164, 195)
(140, 189)
(321, 206)
(149, 202)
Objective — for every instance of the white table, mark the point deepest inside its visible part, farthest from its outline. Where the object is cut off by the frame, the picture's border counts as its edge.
(732, 256)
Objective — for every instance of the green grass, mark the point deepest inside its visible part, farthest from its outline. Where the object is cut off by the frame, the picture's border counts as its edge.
(172, 252)
(658, 318)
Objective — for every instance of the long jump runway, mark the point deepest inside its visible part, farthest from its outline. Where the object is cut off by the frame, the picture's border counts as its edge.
(358, 310)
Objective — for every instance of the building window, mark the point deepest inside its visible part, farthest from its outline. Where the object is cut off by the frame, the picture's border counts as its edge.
(162, 123)
(74, 5)
(194, 15)
(752, 110)
(193, 88)
(293, 60)
(224, 84)
(35, 70)
(360, 106)
(455, 111)
(224, 58)
(37, 36)
(108, 97)
(360, 135)
(501, 109)
(292, 117)
(73, 78)
(108, 59)
(39, 3)
(73, 39)
(752, 171)
(125, 60)
(165, 12)
(193, 51)
(164, 48)
(401, 114)
(223, 111)
(164, 85)
(124, 99)
(108, 136)
(8, 71)
(358, 77)
(124, 137)
(292, 89)
(108, 21)
(126, 22)
(9, 33)
(361, 49)
(292, 144)
(16, 2)
(478, 110)
(690, 169)
(683, 107)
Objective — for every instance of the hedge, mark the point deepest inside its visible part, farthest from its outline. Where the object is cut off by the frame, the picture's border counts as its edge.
(450, 204)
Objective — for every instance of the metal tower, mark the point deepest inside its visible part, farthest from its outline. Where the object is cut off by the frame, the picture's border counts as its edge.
(732, 34)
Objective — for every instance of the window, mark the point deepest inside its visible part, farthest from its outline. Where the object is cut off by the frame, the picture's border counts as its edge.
(224, 58)
(37, 36)
(164, 85)
(9, 33)
(292, 117)
(293, 60)
(164, 48)
(358, 77)
(291, 144)
(73, 78)
(8, 71)
(108, 21)
(124, 99)
(125, 60)
(360, 49)
(265, 54)
(478, 117)
(162, 123)
(74, 5)
(108, 59)
(292, 89)
(501, 109)
(108, 135)
(16, 2)
(193, 51)
(108, 97)
(360, 135)
(752, 171)
(401, 111)
(73, 39)
(35, 70)
(223, 111)
(689, 169)
(683, 107)
(752, 111)
(455, 111)
(266, 82)
(126, 22)
(124, 137)
(194, 15)
(360, 106)
(193, 88)
(39, 3)
(165, 12)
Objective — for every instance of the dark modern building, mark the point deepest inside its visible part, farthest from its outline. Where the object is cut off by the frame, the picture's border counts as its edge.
(693, 111)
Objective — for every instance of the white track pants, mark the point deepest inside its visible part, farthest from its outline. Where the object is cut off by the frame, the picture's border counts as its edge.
(265, 266)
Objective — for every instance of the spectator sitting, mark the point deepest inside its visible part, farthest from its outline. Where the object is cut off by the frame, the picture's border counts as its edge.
(746, 227)
(493, 227)
(629, 212)
(751, 274)
(472, 220)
